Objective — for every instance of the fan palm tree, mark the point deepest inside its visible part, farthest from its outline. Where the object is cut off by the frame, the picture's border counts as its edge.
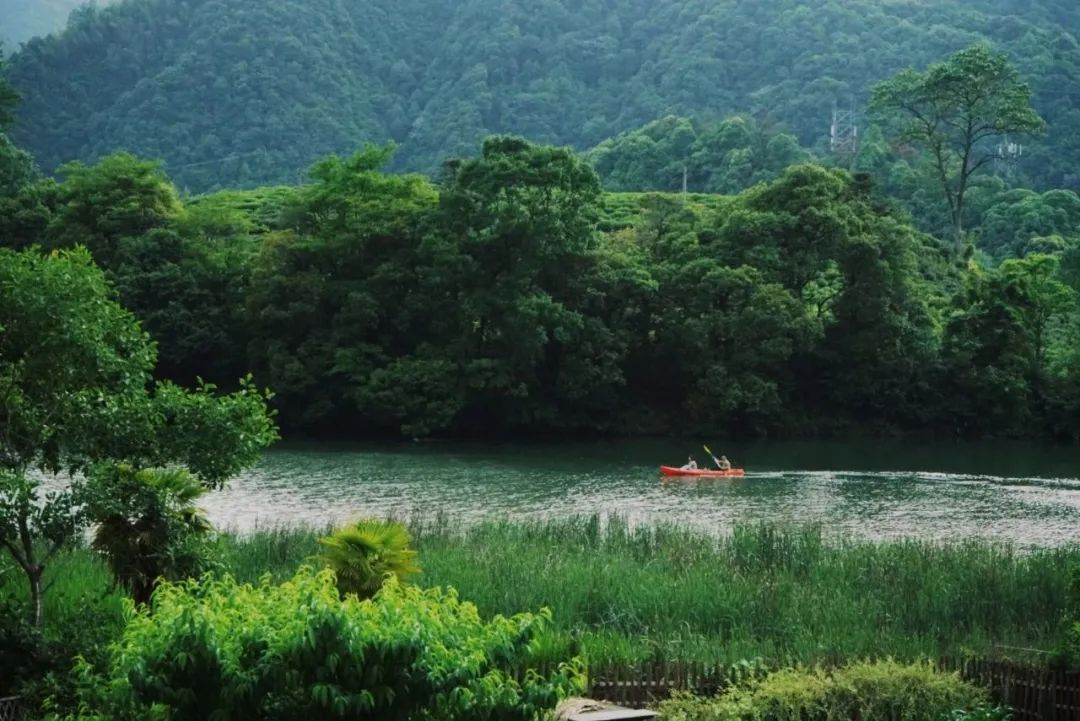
(362, 555)
(148, 526)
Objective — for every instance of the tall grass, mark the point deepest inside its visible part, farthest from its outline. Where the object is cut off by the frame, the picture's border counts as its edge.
(626, 593)
(668, 592)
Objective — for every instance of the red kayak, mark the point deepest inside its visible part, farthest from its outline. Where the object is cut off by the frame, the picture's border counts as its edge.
(705, 472)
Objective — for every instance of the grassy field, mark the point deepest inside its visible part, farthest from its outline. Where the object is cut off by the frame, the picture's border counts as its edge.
(667, 592)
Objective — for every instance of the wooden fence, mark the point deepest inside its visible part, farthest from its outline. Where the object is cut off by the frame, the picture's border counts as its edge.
(1035, 693)
(10, 709)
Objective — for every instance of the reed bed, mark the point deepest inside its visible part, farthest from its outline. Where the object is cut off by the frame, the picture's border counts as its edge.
(623, 593)
(791, 594)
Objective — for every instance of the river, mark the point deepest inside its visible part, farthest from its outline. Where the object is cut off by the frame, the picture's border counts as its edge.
(1024, 494)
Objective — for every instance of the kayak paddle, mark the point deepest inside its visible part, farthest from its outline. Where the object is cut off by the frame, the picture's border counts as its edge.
(713, 457)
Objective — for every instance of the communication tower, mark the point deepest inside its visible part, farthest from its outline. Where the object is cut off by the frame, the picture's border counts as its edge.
(844, 135)
(1007, 156)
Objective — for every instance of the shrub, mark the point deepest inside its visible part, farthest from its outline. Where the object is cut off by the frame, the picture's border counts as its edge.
(364, 554)
(295, 651)
(881, 691)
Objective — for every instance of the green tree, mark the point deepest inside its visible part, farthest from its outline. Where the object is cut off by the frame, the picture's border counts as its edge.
(25, 213)
(98, 206)
(75, 390)
(338, 304)
(364, 553)
(516, 224)
(954, 109)
(855, 269)
(17, 170)
(713, 157)
(996, 341)
(188, 290)
(1018, 216)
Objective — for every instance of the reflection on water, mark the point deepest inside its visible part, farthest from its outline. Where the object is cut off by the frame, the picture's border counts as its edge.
(1021, 494)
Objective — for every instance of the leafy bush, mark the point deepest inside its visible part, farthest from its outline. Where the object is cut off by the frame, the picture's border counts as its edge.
(882, 691)
(217, 649)
(364, 554)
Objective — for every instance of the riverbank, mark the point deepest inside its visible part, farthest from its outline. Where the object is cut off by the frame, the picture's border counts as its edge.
(668, 592)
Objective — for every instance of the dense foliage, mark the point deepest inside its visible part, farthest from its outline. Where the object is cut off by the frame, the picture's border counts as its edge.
(883, 690)
(720, 157)
(238, 93)
(219, 649)
(623, 596)
(513, 296)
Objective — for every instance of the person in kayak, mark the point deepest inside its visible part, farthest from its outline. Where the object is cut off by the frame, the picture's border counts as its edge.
(691, 465)
(724, 463)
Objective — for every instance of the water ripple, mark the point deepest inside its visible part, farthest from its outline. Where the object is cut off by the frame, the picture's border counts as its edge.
(317, 486)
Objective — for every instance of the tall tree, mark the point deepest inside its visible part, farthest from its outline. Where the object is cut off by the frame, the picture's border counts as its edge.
(955, 110)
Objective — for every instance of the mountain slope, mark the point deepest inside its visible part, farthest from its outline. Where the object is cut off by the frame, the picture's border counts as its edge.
(230, 92)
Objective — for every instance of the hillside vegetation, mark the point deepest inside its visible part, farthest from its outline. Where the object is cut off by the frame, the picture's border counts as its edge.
(234, 93)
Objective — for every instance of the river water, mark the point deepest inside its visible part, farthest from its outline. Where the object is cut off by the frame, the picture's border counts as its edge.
(1023, 494)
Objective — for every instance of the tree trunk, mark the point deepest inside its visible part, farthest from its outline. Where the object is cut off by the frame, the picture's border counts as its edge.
(34, 570)
(958, 215)
(35, 595)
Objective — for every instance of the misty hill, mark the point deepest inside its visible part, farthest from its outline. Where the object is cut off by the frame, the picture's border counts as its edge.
(231, 92)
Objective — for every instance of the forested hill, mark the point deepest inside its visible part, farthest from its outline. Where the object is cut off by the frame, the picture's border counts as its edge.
(240, 93)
